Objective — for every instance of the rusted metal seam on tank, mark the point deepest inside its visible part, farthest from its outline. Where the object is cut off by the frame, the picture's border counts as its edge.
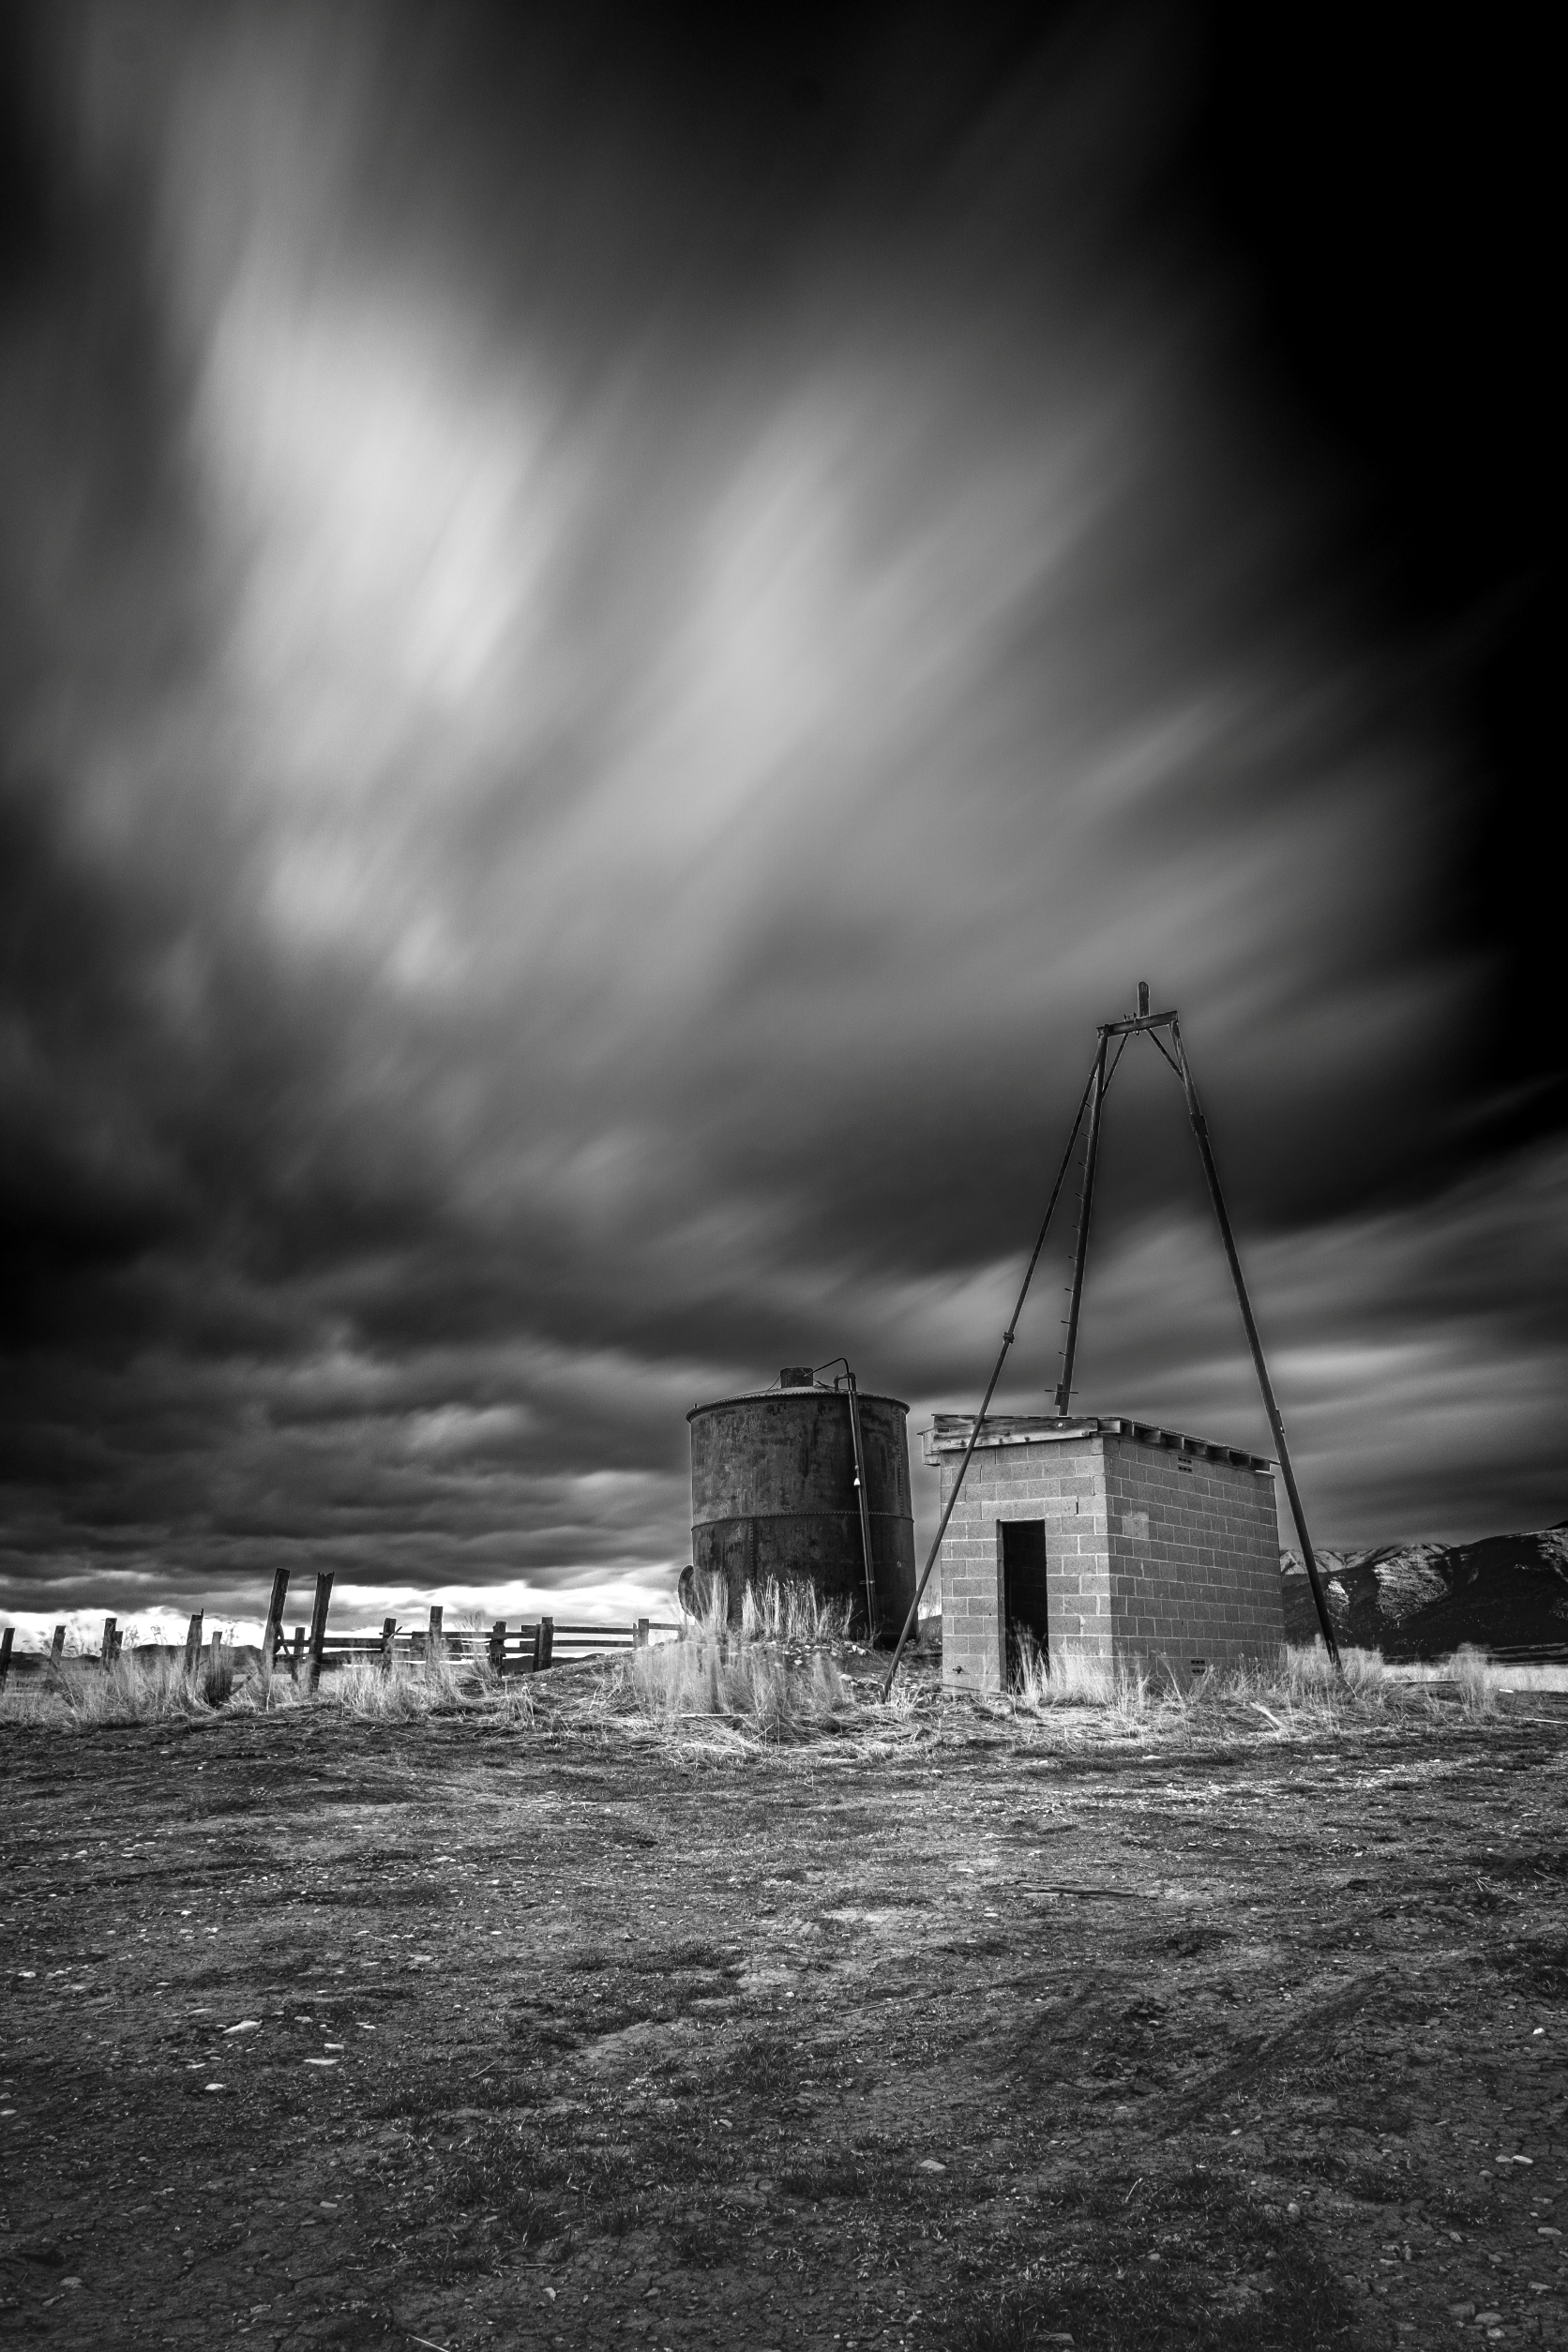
(791, 1396)
(739, 1518)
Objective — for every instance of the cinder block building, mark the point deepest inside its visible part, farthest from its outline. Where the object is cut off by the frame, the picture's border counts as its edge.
(1126, 1541)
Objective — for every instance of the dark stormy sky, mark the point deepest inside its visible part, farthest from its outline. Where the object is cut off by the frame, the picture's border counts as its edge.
(617, 637)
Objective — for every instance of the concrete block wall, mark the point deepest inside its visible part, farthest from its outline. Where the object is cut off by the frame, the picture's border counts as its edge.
(970, 1599)
(1061, 1484)
(1194, 1556)
(1156, 1549)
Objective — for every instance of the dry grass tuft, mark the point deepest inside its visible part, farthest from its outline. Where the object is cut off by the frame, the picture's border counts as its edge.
(1471, 1675)
(1295, 1694)
(146, 1686)
(359, 1688)
(138, 1687)
(1503, 1674)
(1077, 1676)
(261, 1692)
(788, 1609)
(714, 1678)
(409, 1689)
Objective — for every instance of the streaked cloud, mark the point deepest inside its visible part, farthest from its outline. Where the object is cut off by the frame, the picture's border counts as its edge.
(591, 721)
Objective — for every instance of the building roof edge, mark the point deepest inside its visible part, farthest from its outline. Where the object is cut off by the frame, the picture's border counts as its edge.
(949, 1433)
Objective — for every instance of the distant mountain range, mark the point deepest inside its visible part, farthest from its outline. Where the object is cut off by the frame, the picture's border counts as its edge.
(1423, 1600)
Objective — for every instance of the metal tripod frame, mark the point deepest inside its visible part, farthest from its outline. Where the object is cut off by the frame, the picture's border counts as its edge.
(1147, 1024)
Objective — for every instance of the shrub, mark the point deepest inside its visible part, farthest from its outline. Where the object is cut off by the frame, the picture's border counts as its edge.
(722, 1677)
(1474, 1681)
(1075, 1675)
(138, 1687)
(362, 1688)
(1308, 1671)
(791, 1610)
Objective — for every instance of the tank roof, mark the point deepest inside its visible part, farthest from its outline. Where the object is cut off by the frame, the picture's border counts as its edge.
(949, 1434)
(804, 1388)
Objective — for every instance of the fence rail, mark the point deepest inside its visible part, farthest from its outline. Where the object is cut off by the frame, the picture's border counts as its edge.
(532, 1646)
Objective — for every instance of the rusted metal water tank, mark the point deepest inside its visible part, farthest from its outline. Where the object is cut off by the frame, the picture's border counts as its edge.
(773, 1494)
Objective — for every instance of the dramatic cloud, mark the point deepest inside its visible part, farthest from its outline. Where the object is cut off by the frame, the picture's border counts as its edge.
(606, 671)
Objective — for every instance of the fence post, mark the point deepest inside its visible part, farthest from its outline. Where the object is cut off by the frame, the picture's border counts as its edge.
(318, 1625)
(498, 1646)
(192, 1643)
(639, 1634)
(297, 1656)
(432, 1639)
(388, 1627)
(273, 1636)
(58, 1646)
(6, 1654)
(544, 1642)
(110, 1642)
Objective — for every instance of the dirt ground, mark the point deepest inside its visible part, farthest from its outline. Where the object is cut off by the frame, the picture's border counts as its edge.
(457, 2033)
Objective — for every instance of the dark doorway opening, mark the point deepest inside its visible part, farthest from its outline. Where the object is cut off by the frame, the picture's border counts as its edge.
(1023, 1587)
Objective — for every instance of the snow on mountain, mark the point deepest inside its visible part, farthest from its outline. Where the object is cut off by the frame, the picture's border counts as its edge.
(1408, 1579)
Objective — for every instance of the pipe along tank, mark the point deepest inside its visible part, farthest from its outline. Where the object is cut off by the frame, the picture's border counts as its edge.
(774, 1494)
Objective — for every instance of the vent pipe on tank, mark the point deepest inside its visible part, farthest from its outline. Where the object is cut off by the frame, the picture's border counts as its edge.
(861, 1495)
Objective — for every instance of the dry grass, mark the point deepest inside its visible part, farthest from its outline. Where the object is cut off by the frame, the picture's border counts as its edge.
(145, 1687)
(1473, 1679)
(787, 1609)
(786, 1676)
(360, 1688)
(409, 1689)
(1296, 1695)
(715, 1678)
(1077, 1676)
(1504, 1674)
(716, 1686)
(1299, 1692)
(138, 1687)
(772, 1681)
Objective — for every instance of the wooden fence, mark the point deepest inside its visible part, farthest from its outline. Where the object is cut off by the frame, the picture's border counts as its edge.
(531, 1646)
